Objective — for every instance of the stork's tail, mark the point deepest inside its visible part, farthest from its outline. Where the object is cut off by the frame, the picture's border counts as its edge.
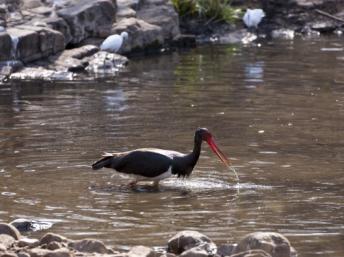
(104, 162)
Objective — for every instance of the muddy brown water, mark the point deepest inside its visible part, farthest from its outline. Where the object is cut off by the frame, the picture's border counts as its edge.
(277, 110)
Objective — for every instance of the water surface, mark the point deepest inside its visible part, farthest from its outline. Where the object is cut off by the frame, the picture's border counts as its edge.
(276, 110)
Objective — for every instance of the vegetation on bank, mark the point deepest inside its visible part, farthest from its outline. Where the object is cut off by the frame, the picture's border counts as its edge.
(208, 10)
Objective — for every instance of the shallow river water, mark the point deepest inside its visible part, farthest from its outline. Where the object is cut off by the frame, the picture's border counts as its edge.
(277, 110)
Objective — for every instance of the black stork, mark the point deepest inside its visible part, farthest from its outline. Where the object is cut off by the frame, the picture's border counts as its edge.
(157, 164)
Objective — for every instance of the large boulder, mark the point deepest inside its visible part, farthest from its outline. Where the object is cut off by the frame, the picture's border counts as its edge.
(89, 18)
(160, 13)
(142, 35)
(188, 239)
(59, 24)
(5, 46)
(273, 243)
(10, 230)
(33, 43)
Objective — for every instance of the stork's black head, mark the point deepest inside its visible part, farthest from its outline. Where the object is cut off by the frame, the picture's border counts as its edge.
(202, 134)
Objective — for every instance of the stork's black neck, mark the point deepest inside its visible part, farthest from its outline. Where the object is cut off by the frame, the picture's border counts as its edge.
(183, 166)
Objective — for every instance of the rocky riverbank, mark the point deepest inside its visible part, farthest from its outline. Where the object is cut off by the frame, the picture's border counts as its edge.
(59, 39)
(184, 244)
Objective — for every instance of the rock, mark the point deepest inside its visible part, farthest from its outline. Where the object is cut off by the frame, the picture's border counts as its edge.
(283, 34)
(23, 254)
(161, 13)
(106, 63)
(54, 245)
(252, 253)
(142, 35)
(141, 251)
(5, 46)
(6, 240)
(89, 18)
(238, 36)
(81, 52)
(274, 244)
(324, 27)
(8, 254)
(36, 42)
(38, 252)
(225, 249)
(28, 242)
(204, 250)
(51, 237)
(8, 229)
(59, 24)
(90, 246)
(186, 240)
(2, 248)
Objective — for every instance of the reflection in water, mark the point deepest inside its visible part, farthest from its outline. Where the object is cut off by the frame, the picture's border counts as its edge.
(277, 111)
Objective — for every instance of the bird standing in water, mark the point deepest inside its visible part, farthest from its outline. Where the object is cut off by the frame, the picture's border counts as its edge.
(113, 43)
(154, 164)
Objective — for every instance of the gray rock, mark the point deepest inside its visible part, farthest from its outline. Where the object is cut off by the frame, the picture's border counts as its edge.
(6, 240)
(8, 229)
(36, 42)
(38, 252)
(274, 244)
(23, 254)
(90, 246)
(142, 35)
(59, 24)
(199, 251)
(52, 237)
(40, 73)
(89, 18)
(5, 46)
(161, 13)
(103, 63)
(125, 12)
(283, 34)
(187, 239)
(141, 251)
(28, 242)
(8, 254)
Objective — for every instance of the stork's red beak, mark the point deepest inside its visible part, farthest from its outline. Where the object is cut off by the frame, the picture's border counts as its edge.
(217, 151)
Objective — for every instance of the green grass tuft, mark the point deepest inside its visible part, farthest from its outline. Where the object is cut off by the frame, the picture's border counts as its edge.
(209, 10)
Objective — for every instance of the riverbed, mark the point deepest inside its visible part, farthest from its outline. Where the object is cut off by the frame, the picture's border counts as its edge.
(275, 108)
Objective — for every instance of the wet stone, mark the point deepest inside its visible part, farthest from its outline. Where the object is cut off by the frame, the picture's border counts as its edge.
(6, 240)
(141, 251)
(10, 230)
(273, 243)
(51, 237)
(186, 240)
(90, 246)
